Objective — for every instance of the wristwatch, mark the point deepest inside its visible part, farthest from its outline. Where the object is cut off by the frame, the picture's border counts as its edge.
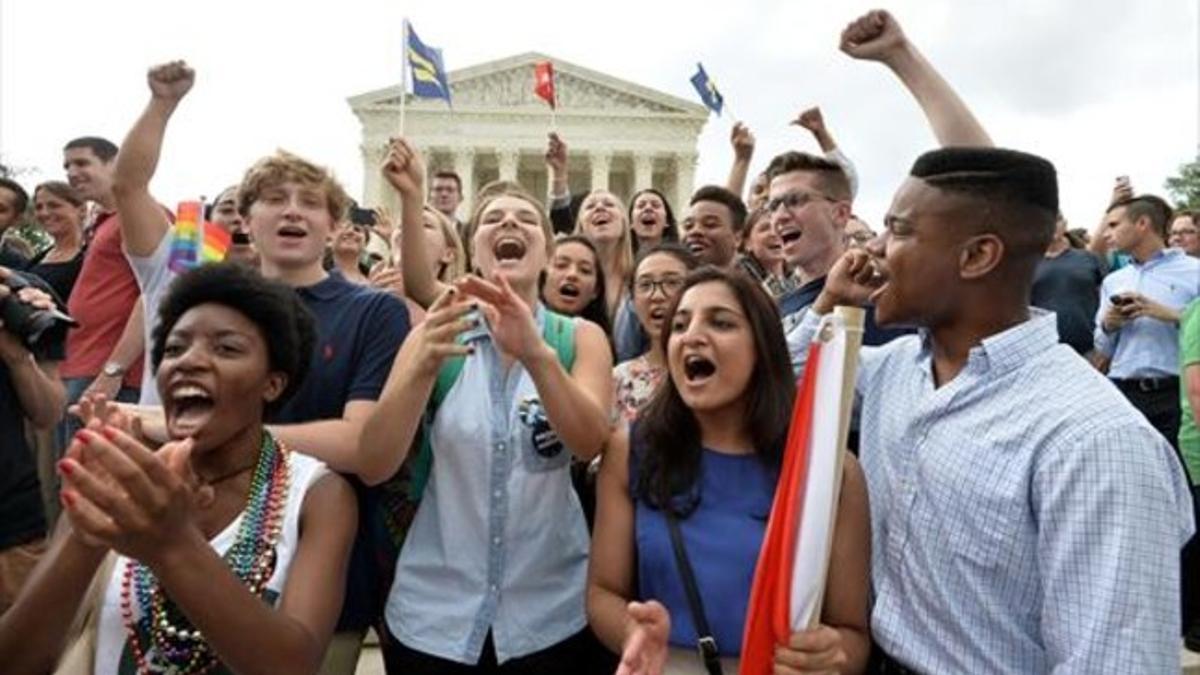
(113, 369)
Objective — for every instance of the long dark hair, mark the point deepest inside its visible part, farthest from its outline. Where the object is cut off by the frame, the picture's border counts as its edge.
(595, 311)
(669, 232)
(667, 432)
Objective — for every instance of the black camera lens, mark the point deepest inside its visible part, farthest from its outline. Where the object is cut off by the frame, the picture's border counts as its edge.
(31, 324)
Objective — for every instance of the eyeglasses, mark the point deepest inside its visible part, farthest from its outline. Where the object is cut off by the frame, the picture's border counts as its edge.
(668, 285)
(1184, 233)
(794, 200)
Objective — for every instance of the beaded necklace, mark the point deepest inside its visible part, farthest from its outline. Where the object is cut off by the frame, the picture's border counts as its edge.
(173, 645)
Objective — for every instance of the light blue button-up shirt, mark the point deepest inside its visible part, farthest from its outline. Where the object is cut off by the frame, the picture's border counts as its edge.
(1148, 347)
(499, 541)
(1025, 517)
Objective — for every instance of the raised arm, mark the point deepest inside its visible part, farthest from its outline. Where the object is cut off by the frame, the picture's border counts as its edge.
(404, 170)
(1098, 246)
(143, 223)
(393, 424)
(876, 36)
(743, 151)
(814, 122)
(560, 193)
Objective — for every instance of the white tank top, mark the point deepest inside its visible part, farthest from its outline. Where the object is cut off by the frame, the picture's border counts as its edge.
(113, 655)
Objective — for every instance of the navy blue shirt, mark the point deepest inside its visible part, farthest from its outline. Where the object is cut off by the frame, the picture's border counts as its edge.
(359, 331)
(1069, 285)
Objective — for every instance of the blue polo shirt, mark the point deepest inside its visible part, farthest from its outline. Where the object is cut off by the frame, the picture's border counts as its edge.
(359, 331)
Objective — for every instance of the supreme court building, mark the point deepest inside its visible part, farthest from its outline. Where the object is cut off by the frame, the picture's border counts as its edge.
(620, 136)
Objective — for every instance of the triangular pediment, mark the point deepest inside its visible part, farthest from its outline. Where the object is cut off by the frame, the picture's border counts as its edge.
(508, 83)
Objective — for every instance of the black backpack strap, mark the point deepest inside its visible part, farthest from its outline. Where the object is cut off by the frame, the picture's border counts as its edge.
(705, 643)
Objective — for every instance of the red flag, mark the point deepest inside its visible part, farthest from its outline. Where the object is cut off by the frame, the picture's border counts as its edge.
(768, 621)
(543, 82)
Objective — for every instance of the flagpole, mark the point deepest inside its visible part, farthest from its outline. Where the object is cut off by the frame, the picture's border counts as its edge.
(403, 76)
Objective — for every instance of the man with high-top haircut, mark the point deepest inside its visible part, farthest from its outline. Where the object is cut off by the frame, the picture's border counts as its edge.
(1024, 517)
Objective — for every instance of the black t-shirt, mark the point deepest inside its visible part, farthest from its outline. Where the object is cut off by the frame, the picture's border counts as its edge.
(1069, 285)
(21, 515)
(11, 259)
(60, 275)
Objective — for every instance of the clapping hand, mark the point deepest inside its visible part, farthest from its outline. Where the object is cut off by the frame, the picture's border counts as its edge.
(510, 319)
(646, 649)
(119, 494)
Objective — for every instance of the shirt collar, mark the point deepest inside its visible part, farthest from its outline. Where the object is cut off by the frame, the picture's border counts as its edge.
(1162, 256)
(1008, 349)
(333, 286)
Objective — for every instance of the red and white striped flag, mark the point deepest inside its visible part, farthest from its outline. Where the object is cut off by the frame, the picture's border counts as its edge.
(789, 581)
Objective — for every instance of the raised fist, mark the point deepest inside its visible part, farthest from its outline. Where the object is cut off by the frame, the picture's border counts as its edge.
(875, 36)
(171, 81)
(404, 169)
(742, 141)
(556, 154)
(810, 119)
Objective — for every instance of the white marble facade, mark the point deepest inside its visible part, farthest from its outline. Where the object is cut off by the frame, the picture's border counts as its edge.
(620, 136)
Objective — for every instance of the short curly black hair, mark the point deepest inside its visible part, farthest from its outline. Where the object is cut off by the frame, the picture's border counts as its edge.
(287, 326)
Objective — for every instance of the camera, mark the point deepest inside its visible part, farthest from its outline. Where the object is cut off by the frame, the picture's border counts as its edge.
(28, 323)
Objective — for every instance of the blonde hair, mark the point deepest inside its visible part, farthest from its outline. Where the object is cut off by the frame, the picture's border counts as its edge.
(457, 267)
(490, 193)
(624, 247)
(283, 166)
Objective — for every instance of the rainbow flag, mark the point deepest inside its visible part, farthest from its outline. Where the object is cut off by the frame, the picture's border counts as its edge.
(193, 241)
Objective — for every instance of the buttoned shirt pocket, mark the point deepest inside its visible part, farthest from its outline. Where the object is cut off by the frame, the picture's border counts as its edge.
(541, 448)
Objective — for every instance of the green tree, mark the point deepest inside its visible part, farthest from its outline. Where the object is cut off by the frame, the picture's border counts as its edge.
(1185, 187)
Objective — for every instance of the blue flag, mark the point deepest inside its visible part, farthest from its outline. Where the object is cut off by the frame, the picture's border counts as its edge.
(428, 72)
(707, 90)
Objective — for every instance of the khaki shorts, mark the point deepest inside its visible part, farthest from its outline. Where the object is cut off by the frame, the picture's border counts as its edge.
(15, 565)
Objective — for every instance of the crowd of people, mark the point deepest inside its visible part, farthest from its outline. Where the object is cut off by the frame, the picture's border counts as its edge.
(546, 438)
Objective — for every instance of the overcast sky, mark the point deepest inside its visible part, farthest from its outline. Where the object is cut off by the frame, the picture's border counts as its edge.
(1101, 87)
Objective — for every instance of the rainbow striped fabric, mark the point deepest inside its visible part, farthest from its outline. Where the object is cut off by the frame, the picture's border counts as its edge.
(193, 241)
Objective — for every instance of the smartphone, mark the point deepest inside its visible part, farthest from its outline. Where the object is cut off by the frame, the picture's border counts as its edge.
(1119, 300)
(360, 216)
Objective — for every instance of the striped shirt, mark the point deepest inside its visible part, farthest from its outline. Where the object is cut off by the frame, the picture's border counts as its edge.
(1025, 517)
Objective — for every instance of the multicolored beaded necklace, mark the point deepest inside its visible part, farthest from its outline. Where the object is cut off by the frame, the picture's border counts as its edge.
(174, 645)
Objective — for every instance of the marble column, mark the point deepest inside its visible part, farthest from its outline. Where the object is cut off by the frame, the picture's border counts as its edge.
(643, 172)
(508, 158)
(374, 189)
(464, 166)
(601, 163)
(685, 178)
